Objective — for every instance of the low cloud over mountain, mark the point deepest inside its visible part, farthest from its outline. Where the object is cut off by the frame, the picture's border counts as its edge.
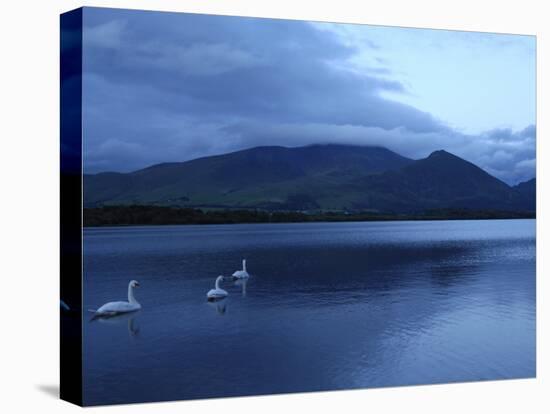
(172, 87)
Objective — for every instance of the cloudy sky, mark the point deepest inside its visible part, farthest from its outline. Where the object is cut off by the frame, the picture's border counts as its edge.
(171, 87)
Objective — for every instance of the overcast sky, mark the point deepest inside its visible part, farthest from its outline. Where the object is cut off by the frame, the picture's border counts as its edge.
(164, 87)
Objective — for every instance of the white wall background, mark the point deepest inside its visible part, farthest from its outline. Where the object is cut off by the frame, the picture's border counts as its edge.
(29, 189)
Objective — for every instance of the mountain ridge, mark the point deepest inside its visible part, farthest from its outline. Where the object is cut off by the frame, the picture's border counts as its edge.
(314, 177)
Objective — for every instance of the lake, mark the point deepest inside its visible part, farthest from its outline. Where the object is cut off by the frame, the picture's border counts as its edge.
(328, 306)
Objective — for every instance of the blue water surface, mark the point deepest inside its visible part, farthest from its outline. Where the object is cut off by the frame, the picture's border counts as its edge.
(328, 306)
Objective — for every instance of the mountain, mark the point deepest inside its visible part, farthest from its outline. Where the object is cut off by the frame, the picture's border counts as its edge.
(316, 177)
(527, 190)
(261, 176)
(442, 180)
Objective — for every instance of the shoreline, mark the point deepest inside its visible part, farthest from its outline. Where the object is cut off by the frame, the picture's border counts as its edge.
(125, 216)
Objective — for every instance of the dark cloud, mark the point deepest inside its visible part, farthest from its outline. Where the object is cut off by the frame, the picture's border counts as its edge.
(170, 87)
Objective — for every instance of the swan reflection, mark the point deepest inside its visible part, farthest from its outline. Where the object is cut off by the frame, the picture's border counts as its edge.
(220, 305)
(130, 319)
(242, 283)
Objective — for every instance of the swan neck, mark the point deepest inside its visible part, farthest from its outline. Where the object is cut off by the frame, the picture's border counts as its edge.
(131, 297)
(218, 279)
(244, 265)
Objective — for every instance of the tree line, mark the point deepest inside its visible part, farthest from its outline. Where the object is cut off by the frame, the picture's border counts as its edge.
(158, 215)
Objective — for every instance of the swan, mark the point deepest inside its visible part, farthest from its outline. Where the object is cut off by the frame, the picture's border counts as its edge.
(241, 274)
(115, 308)
(217, 293)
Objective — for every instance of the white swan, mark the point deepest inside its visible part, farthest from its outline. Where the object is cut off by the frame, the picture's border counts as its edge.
(115, 308)
(217, 293)
(242, 274)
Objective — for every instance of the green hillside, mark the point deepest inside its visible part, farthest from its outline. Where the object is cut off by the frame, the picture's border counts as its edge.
(312, 178)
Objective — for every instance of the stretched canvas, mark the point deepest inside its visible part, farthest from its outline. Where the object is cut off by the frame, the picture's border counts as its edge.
(256, 206)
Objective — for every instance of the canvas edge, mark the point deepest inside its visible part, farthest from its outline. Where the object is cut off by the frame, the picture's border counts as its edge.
(70, 79)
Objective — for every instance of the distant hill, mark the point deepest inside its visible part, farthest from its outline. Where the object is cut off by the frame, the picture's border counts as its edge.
(527, 191)
(316, 177)
(442, 180)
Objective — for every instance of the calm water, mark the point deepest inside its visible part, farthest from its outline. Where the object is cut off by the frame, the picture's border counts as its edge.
(328, 306)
